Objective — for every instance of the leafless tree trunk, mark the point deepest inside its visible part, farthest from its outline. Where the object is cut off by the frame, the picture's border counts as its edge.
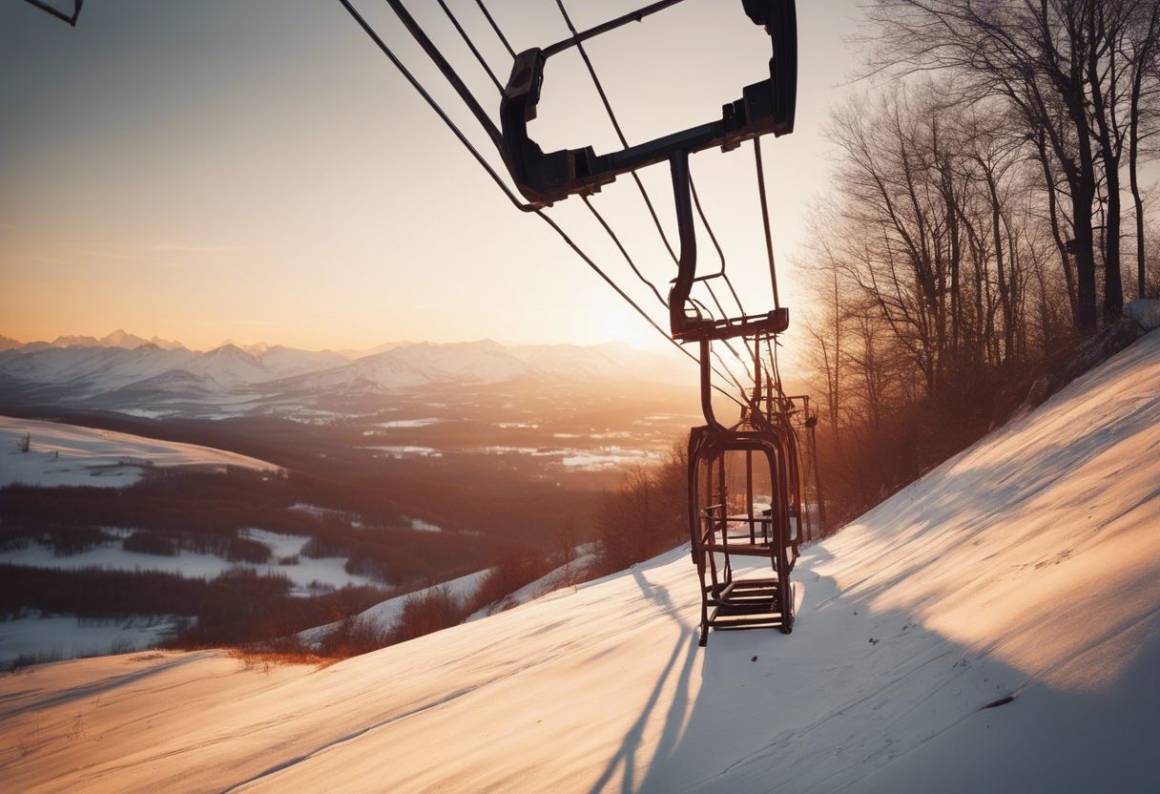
(1035, 55)
(1142, 57)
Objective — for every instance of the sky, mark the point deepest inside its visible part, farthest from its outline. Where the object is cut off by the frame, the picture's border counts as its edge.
(256, 170)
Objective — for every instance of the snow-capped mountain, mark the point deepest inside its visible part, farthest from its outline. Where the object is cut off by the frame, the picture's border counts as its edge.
(118, 338)
(418, 365)
(122, 371)
(484, 362)
(93, 370)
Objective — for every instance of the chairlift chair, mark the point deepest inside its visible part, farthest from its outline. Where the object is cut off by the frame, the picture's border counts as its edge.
(543, 178)
(719, 533)
(721, 530)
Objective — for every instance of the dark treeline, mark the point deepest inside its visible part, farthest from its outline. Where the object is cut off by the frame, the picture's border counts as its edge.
(973, 237)
(204, 512)
(237, 608)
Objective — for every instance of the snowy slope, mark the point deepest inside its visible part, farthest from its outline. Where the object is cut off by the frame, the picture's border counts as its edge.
(553, 580)
(61, 454)
(385, 614)
(1027, 567)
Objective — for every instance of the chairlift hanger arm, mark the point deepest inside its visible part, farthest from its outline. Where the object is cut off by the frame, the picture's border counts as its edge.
(604, 27)
(48, 8)
(686, 328)
(544, 178)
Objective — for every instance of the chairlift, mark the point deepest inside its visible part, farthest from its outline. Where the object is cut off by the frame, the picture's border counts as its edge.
(718, 532)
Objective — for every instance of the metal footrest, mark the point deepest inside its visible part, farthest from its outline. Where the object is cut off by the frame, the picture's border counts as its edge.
(744, 598)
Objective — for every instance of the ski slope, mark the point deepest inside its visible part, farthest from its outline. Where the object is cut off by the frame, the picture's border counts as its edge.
(61, 454)
(994, 627)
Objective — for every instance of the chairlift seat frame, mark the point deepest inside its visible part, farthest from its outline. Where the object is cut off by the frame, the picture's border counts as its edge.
(729, 602)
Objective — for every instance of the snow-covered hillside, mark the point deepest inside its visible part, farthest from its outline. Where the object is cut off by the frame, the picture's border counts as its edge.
(994, 627)
(384, 615)
(61, 454)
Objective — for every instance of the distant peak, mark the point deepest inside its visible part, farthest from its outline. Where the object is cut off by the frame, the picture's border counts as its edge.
(122, 338)
(73, 340)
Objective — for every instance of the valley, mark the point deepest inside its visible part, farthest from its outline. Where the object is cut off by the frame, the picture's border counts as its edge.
(317, 495)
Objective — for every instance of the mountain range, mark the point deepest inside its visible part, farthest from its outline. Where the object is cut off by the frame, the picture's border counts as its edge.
(122, 371)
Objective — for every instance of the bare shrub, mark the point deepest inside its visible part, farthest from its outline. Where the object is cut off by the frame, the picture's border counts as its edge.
(352, 637)
(513, 572)
(430, 611)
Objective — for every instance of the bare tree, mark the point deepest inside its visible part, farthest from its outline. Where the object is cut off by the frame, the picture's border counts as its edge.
(1141, 52)
(1038, 58)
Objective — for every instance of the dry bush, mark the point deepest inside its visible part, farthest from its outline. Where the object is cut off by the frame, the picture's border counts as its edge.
(435, 609)
(352, 637)
(512, 573)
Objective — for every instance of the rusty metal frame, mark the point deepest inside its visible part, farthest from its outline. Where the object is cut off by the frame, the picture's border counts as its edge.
(48, 8)
(728, 602)
(546, 177)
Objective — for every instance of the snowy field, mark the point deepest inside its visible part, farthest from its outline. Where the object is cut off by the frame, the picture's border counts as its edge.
(68, 637)
(995, 627)
(305, 573)
(61, 454)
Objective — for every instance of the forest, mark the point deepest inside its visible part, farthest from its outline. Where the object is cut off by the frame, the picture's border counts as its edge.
(989, 213)
(988, 217)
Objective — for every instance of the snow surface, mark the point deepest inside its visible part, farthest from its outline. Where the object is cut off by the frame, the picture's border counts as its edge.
(63, 454)
(576, 458)
(399, 452)
(419, 525)
(1023, 574)
(398, 424)
(609, 458)
(69, 637)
